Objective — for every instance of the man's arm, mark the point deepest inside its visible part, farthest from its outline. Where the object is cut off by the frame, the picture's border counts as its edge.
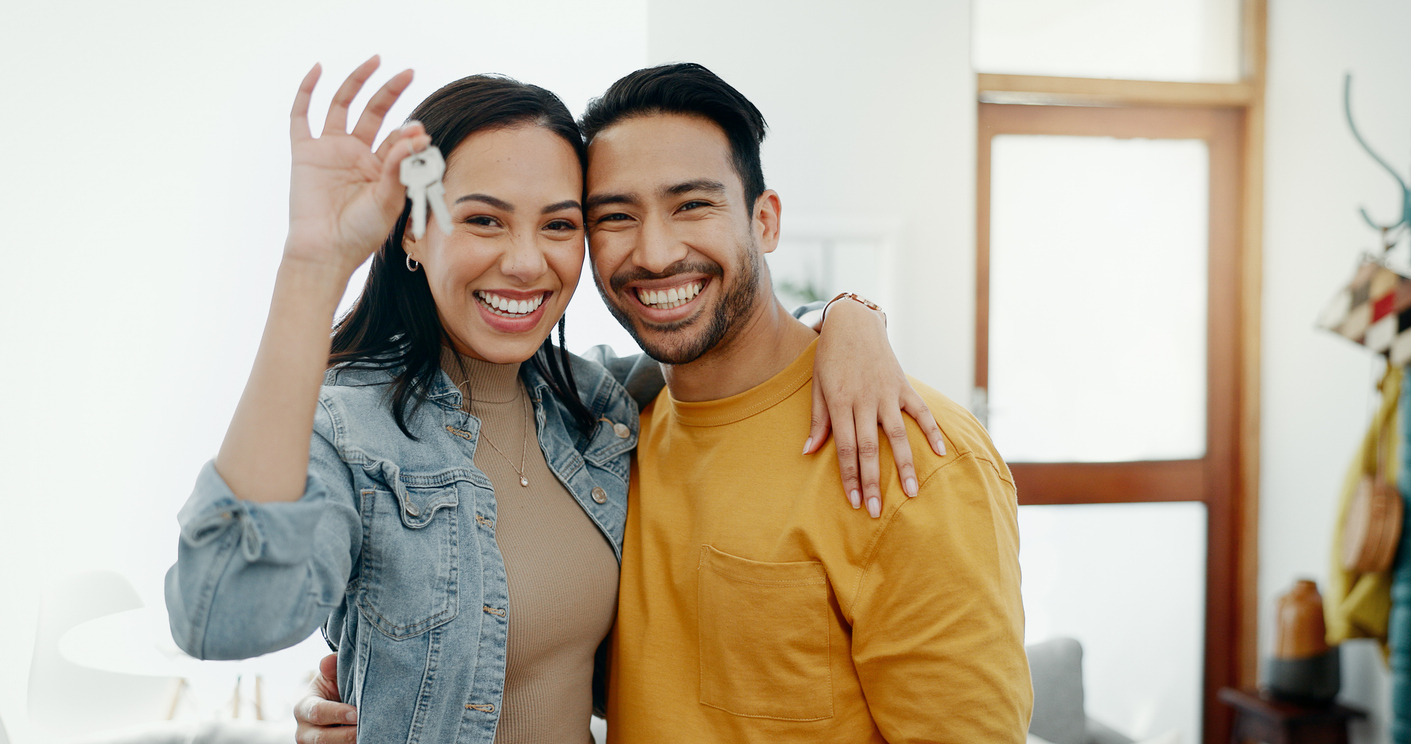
(639, 373)
(938, 624)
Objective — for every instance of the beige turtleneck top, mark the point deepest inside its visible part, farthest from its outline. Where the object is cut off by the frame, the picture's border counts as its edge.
(561, 570)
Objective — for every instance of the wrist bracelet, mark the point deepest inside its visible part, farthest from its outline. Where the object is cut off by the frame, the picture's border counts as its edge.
(869, 304)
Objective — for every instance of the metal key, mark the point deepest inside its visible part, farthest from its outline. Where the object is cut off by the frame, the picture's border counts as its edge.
(421, 174)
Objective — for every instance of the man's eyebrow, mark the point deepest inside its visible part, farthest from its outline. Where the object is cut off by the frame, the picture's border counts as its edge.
(560, 206)
(597, 200)
(700, 184)
(487, 199)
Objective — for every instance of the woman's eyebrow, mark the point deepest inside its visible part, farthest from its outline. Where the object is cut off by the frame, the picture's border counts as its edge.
(560, 206)
(487, 199)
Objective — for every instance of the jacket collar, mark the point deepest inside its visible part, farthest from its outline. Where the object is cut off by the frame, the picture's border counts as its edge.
(443, 392)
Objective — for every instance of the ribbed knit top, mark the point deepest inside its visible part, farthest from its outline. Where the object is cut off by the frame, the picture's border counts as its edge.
(561, 570)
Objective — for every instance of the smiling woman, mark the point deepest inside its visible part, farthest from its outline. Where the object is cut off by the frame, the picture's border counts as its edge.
(365, 505)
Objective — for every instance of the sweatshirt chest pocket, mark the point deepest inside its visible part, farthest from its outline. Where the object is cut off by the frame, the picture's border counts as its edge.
(764, 632)
(408, 582)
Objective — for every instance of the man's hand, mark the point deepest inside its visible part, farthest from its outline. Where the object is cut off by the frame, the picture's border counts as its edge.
(322, 716)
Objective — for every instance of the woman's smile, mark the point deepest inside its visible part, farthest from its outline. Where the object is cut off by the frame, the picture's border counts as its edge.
(511, 312)
(511, 307)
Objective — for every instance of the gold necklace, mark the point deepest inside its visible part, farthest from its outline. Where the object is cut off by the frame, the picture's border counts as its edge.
(523, 445)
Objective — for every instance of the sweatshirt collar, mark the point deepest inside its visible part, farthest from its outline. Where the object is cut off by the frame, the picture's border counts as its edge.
(752, 402)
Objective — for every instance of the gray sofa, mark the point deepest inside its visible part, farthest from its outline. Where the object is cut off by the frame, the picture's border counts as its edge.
(1056, 668)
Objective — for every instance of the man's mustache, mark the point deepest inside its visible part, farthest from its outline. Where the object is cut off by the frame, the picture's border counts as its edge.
(639, 274)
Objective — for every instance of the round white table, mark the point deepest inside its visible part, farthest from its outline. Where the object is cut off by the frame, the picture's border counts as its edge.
(139, 642)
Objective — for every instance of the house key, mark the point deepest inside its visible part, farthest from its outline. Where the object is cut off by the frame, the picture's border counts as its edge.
(421, 174)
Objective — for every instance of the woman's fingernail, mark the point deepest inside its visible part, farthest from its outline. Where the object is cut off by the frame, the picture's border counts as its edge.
(911, 487)
(874, 507)
(808, 445)
(351, 716)
(855, 498)
(940, 447)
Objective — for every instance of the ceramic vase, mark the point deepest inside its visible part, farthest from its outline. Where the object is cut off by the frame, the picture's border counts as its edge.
(1303, 668)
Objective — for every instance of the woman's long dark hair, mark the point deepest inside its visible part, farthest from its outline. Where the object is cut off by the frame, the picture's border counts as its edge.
(394, 325)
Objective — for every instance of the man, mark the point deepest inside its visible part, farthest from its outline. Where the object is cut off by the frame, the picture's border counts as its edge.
(750, 608)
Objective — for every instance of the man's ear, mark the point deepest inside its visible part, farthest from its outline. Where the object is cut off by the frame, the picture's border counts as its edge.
(767, 209)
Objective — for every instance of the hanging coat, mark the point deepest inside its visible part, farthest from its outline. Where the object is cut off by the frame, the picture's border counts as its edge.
(1358, 605)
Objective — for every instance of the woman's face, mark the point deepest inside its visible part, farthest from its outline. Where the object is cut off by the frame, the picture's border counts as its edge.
(503, 277)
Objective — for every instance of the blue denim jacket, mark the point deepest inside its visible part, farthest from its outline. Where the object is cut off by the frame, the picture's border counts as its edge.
(392, 550)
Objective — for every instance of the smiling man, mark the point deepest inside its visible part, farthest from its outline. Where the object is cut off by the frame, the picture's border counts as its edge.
(749, 611)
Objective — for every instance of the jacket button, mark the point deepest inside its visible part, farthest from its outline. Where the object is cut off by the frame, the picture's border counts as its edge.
(599, 495)
(621, 431)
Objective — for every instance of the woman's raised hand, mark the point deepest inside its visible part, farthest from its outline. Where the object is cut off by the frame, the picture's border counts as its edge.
(343, 200)
(344, 197)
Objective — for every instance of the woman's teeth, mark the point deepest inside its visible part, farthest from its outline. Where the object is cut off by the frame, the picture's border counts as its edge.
(665, 299)
(507, 307)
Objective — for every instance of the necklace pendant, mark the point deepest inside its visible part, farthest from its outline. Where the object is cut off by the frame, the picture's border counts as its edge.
(523, 481)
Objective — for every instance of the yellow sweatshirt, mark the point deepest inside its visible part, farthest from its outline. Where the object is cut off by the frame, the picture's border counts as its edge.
(757, 606)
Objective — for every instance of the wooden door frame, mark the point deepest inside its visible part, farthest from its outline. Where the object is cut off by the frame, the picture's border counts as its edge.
(1216, 479)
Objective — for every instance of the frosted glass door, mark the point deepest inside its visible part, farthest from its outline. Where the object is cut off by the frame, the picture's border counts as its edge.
(1109, 345)
(1098, 294)
(1128, 582)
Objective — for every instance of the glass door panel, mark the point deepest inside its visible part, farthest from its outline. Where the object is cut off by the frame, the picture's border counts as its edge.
(1098, 295)
(1128, 582)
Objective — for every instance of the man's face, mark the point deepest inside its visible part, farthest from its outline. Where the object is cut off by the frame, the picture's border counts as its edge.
(675, 250)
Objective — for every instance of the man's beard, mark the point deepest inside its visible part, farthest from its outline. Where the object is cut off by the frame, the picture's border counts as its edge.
(734, 307)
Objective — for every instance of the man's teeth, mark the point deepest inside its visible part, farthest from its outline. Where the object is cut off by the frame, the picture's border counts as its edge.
(665, 299)
(506, 306)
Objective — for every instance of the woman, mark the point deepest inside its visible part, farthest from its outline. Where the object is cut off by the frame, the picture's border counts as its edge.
(366, 505)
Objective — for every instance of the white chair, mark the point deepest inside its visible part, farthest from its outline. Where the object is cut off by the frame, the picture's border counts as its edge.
(67, 700)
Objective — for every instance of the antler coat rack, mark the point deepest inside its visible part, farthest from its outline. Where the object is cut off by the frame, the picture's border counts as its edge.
(1389, 231)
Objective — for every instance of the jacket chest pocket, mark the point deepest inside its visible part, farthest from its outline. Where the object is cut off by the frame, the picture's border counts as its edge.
(408, 580)
(764, 637)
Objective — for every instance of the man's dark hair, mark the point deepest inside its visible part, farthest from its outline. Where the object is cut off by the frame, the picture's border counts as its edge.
(687, 88)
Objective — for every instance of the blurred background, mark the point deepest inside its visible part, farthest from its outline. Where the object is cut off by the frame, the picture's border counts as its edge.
(915, 147)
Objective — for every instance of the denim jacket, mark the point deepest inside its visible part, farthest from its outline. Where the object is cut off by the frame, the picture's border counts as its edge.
(392, 550)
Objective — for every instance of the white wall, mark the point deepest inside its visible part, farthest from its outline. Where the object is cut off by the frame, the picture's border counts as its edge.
(1316, 385)
(144, 201)
(871, 109)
